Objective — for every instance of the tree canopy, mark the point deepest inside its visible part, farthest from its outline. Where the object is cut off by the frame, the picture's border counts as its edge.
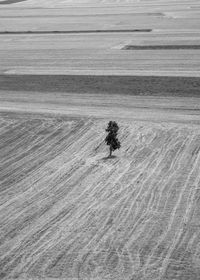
(111, 139)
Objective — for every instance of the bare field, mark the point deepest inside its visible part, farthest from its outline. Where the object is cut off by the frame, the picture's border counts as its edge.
(96, 61)
(69, 212)
(12, 86)
(105, 105)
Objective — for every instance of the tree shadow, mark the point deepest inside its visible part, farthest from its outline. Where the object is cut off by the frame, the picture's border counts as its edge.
(108, 157)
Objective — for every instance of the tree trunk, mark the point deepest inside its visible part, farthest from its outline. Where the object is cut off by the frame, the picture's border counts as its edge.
(110, 151)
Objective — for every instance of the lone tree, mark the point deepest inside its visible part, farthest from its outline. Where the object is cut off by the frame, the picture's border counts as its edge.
(111, 138)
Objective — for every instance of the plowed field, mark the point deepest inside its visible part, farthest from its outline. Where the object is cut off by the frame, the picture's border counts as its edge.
(69, 212)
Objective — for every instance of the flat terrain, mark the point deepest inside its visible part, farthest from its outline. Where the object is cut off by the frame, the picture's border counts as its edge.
(171, 22)
(97, 84)
(66, 210)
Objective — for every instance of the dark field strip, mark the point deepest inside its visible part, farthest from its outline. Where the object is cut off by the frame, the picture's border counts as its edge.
(163, 47)
(75, 31)
(82, 15)
(7, 2)
(130, 85)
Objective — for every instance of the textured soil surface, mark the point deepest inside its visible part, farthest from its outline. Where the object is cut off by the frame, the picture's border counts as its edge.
(69, 212)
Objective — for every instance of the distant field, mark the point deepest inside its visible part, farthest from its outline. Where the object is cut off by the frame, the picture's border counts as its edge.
(162, 47)
(7, 2)
(89, 37)
(92, 31)
(131, 85)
